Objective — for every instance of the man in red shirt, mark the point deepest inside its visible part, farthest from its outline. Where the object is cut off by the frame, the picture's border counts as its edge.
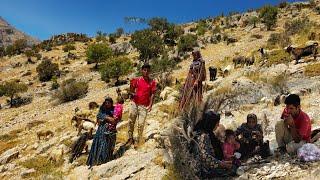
(294, 129)
(142, 90)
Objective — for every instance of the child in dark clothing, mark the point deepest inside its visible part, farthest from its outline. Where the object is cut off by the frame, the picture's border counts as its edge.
(250, 136)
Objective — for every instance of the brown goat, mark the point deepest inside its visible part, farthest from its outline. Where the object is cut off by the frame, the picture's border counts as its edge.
(44, 133)
(305, 51)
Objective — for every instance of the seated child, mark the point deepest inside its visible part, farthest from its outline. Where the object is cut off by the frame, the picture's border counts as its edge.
(250, 136)
(230, 146)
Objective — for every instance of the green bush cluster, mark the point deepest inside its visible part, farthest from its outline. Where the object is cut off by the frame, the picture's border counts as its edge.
(71, 89)
(46, 70)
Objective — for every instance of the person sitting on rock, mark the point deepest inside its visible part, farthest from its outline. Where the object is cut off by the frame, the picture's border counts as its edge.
(230, 146)
(209, 154)
(294, 129)
(250, 136)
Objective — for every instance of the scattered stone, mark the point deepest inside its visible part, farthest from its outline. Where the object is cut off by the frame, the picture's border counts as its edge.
(27, 172)
(9, 155)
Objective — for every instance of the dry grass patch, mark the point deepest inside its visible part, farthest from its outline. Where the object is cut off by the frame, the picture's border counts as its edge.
(158, 160)
(5, 145)
(43, 167)
(312, 70)
(278, 57)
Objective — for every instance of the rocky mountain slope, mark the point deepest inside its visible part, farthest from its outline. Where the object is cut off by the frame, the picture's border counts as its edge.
(9, 34)
(23, 155)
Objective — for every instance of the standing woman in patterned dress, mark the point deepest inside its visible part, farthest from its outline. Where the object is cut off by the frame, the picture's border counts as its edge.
(192, 90)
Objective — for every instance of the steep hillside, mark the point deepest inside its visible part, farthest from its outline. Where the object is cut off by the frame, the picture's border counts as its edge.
(254, 88)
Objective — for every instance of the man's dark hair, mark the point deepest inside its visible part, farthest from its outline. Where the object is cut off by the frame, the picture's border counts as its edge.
(146, 66)
(293, 99)
(229, 133)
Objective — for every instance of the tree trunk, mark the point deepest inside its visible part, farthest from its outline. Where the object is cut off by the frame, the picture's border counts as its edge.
(11, 101)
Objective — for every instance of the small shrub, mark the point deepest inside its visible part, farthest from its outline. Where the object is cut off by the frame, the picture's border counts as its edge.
(187, 43)
(296, 26)
(268, 15)
(163, 64)
(29, 53)
(283, 4)
(11, 89)
(278, 57)
(253, 21)
(43, 166)
(201, 28)
(112, 38)
(115, 68)
(2, 51)
(46, 70)
(216, 30)
(317, 9)
(38, 56)
(101, 37)
(55, 84)
(69, 47)
(71, 90)
(312, 70)
(278, 40)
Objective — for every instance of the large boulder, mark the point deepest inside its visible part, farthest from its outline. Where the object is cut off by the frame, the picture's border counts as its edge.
(123, 47)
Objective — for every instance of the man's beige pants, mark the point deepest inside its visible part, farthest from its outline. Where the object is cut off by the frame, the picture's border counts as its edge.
(137, 113)
(284, 138)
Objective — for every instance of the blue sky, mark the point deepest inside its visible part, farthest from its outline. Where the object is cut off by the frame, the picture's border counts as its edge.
(43, 18)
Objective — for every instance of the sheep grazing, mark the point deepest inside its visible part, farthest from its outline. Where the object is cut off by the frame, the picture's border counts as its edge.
(305, 51)
(243, 61)
(225, 71)
(56, 155)
(44, 133)
(82, 123)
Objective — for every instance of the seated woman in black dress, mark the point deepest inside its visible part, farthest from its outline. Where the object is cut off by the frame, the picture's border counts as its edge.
(210, 152)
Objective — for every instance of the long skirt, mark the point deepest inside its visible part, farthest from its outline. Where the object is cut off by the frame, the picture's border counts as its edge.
(102, 147)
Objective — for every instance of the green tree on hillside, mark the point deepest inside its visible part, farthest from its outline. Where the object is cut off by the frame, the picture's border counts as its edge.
(97, 53)
(115, 68)
(187, 42)
(253, 21)
(119, 32)
(148, 43)
(201, 28)
(159, 25)
(268, 15)
(172, 34)
(11, 89)
(2, 51)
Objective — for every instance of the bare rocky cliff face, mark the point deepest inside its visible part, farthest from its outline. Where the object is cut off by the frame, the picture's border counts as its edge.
(9, 34)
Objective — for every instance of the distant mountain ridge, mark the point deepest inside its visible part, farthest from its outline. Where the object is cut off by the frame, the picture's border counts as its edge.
(9, 34)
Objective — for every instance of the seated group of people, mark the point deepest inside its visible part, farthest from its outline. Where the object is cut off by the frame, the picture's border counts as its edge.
(218, 158)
